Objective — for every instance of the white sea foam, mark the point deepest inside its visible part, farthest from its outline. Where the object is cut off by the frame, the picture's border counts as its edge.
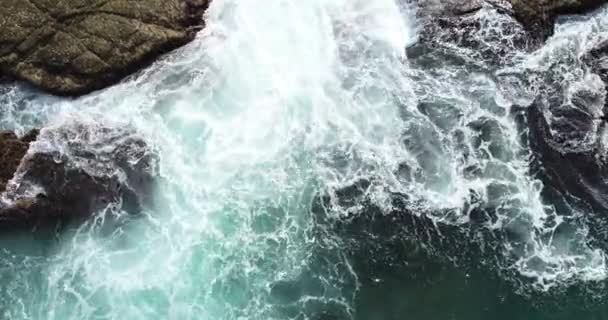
(269, 105)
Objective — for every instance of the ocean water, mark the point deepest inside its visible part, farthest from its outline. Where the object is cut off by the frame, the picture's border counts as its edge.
(310, 168)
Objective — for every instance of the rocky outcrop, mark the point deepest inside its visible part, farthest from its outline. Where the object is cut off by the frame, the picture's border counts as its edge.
(540, 15)
(487, 33)
(95, 168)
(12, 150)
(449, 7)
(575, 174)
(566, 126)
(479, 34)
(536, 16)
(72, 47)
(596, 60)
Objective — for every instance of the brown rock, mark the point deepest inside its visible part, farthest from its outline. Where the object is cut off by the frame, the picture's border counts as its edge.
(72, 47)
(12, 150)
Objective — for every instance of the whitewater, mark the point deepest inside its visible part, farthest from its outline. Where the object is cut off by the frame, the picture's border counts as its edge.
(272, 107)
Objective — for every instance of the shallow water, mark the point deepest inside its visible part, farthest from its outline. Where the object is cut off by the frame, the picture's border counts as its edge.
(262, 126)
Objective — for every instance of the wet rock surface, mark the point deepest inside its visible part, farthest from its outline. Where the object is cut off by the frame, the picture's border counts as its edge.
(574, 180)
(479, 34)
(489, 31)
(596, 60)
(540, 15)
(567, 126)
(577, 174)
(77, 46)
(12, 150)
(96, 168)
(449, 7)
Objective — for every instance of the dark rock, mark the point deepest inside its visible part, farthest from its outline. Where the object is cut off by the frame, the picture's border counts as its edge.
(575, 174)
(449, 7)
(73, 47)
(12, 150)
(93, 169)
(482, 33)
(539, 15)
(479, 35)
(596, 60)
(574, 180)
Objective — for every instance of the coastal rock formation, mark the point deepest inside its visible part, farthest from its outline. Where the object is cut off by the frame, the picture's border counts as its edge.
(577, 174)
(12, 150)
(540, 15)
(596, 60)
(469, 29)
(450, 7)
(57, 183)
(567, 120)
(480, 34)
(73, 47)
(567, 125)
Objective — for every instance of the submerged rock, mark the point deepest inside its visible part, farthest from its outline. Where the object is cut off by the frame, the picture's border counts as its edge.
(488, 30)
(12, 150)
(478, 34)
(540, 15)
(94, 168)
(577, 175)
(596, 60)
(73, 47)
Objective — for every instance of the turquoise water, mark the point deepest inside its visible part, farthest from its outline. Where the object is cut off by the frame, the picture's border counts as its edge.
(262, 126)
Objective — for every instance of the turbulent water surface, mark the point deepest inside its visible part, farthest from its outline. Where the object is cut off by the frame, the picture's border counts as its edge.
(310, 169)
